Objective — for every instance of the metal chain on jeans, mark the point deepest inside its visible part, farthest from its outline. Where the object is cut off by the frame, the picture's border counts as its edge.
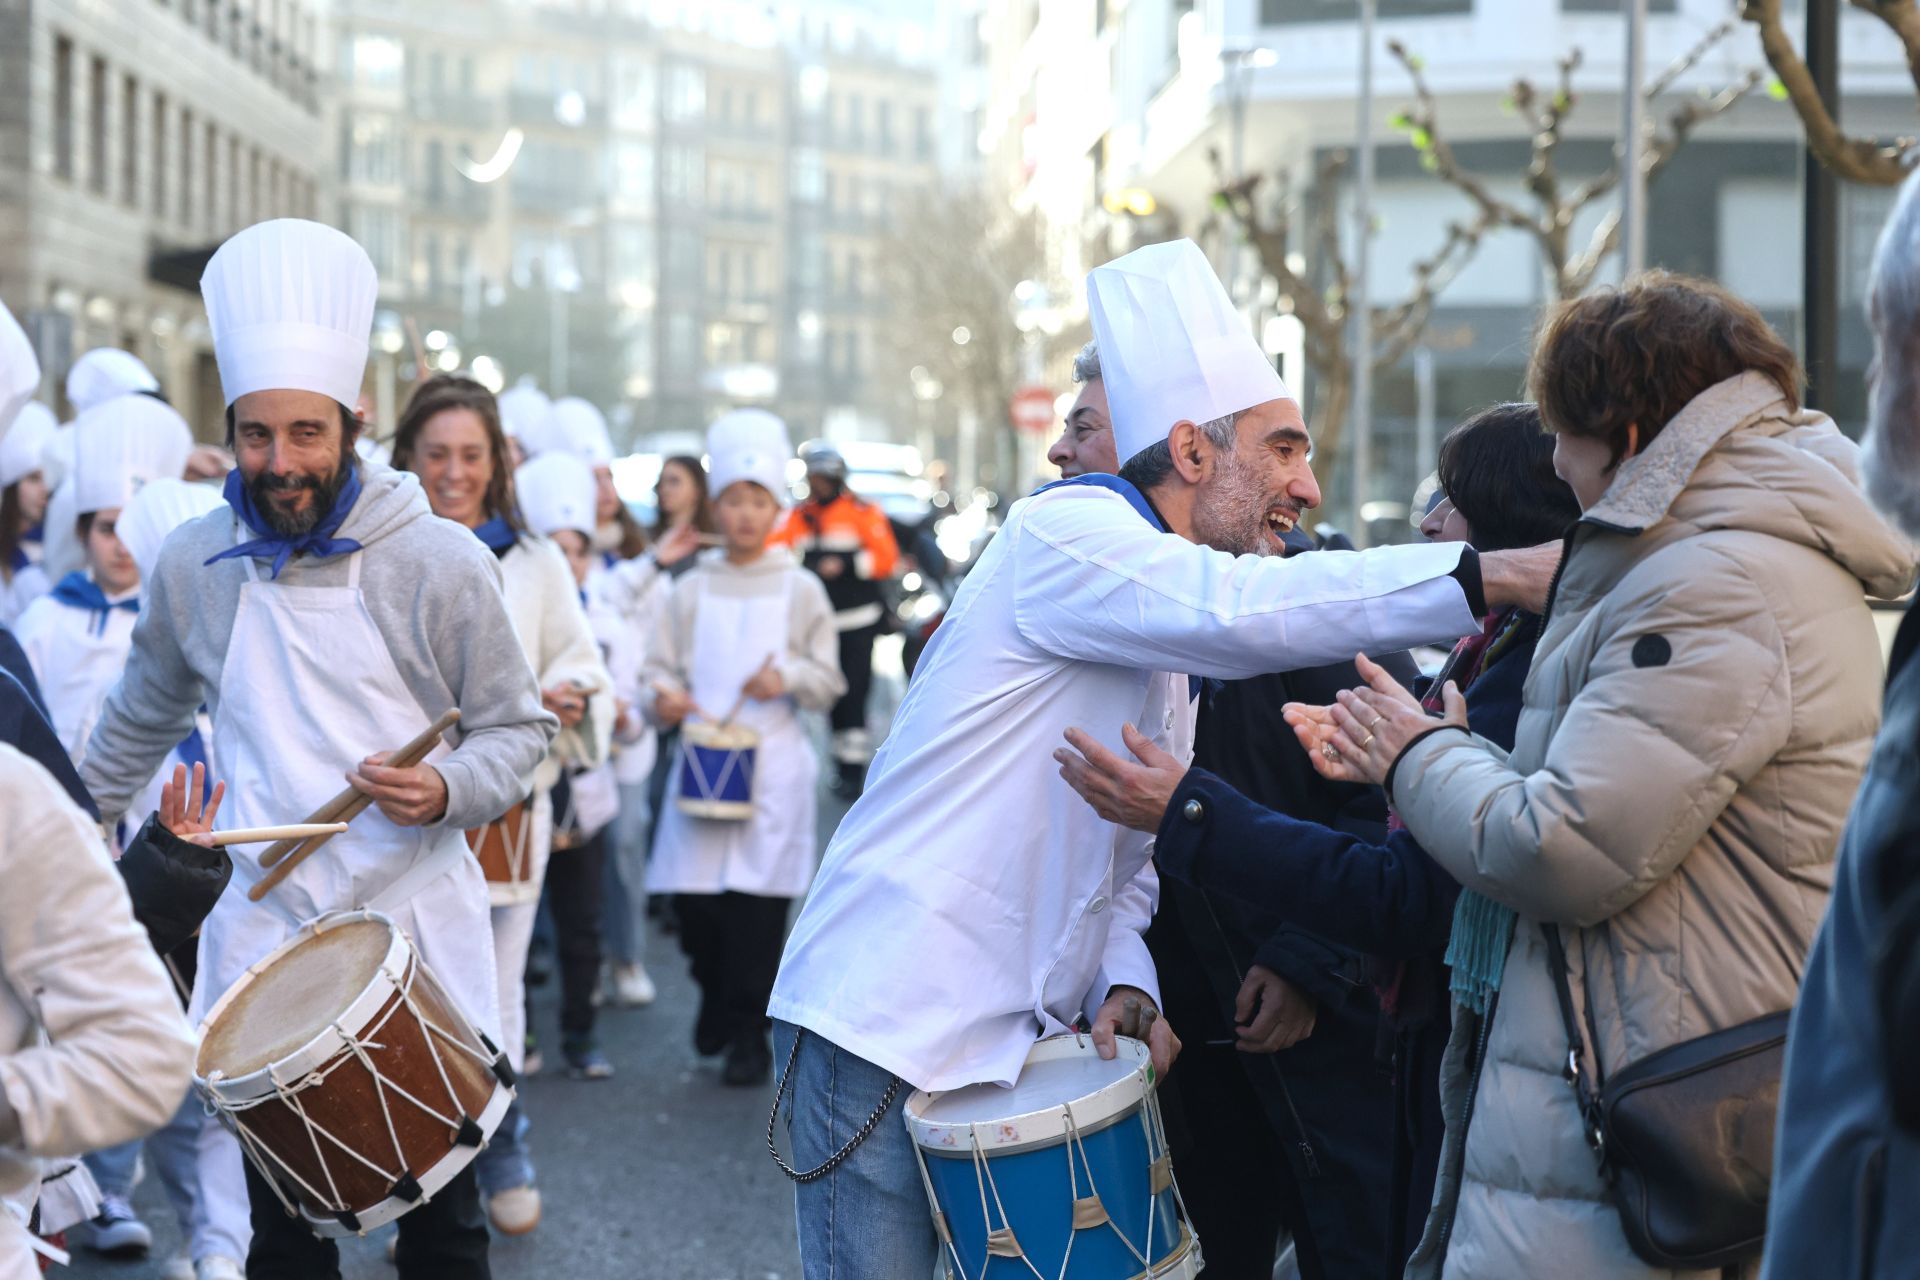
(839, 1157)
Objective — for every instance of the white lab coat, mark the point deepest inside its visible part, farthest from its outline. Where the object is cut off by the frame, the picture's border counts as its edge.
(970, 901)
(93, 1050)
(28, 583)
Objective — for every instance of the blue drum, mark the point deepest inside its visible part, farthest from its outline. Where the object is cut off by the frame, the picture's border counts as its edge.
(716, 770)
(1065, 1176)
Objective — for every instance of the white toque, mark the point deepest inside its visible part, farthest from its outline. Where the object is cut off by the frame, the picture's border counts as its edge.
(106, 372)
(1172, 347)
(556, 491)
(581, 429)
(23, 449)
(291, 304)
(123, 445)
(19, 368)
(159, 508)
(749, 444)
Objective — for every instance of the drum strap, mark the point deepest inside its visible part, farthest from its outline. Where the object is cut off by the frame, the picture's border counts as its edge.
(839, 1157)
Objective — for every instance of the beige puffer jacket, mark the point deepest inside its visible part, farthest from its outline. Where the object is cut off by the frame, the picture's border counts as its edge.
(1698, 715)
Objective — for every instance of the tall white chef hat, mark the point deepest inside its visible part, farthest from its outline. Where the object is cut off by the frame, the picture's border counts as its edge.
(749, 444)
(291, 303)
(123, 445)
(1172, 348)
(582, 430)
(523, 407)
(159, 508)
(555, 492)
(26, 441)
(106, 372)
(56, 457)
(19, 368)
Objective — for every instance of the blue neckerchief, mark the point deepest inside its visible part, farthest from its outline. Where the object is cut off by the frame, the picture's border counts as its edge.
(82, 592)
(28, 537)
(497, 534)
(318, 541)
(1138, 501)
(608, 560)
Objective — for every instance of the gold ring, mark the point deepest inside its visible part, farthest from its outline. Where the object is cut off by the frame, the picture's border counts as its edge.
(1363, 745)
(1375, 724)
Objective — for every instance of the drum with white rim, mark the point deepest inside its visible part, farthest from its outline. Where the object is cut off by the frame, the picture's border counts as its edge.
(1065, 1176)
(505, 850)
(716, 770)
(354, 1083)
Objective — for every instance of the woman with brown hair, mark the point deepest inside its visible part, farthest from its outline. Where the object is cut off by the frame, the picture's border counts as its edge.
(1650, 861)
(681, 497)
(23, 506)
(450, 437)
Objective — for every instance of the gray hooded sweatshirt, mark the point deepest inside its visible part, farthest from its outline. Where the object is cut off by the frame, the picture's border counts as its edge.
(434, 593)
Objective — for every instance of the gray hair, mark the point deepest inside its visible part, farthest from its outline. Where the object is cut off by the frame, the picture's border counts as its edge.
(1086, 365)
(1890, 449)
(1149, 468)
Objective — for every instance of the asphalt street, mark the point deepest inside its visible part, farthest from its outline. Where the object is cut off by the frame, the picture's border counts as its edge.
(661, 1171)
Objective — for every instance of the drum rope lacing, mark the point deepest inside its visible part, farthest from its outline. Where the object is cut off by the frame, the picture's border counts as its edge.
(712, 788)
(1003, 1243)
(287, 1093)
(835, 1160)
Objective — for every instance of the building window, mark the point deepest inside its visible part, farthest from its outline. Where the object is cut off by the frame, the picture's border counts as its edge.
(97, 123)
(1277, 13)
(63, 107)
(809, 180)
(186, 168)
(883, 126)
(633, 173)
(923, 133)
(158, 126)
(130, 142)
(634, 93)
(686, 93)
(375, 62)
(211, 202)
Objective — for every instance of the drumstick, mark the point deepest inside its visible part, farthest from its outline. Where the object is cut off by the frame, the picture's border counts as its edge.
(741, 701)
(293, 832)
(661, 686)
(408, 756)
(335, 810)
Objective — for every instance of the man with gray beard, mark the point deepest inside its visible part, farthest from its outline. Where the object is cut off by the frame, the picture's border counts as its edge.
(1847, 1168)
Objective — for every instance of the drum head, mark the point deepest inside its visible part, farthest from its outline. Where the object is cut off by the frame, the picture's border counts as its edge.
(271, 1014)
(1061, 1071)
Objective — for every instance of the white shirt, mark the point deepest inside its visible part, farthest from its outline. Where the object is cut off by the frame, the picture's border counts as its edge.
(971, 901)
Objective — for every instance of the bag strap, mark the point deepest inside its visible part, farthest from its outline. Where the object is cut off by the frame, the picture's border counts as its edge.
(1586, 1097)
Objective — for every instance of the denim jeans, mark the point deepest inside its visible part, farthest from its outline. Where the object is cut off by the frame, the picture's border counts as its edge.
(507, 1161)
(868, 1219)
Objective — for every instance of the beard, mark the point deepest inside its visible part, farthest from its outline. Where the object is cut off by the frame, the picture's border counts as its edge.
(1231, 513)
(324, 490)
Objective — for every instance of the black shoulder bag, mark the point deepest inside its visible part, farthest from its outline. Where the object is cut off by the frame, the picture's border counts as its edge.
(1684, 1136)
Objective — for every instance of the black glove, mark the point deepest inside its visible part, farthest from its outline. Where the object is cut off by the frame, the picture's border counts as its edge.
(173, 882)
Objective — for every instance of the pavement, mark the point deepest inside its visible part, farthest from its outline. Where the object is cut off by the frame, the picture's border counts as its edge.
(659, 1172)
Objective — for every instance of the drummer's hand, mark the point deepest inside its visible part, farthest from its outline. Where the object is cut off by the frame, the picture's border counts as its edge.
(765, 686)
(181, 811)
(1129, 1011)
(565, 701)
(409, 797)
(671, 706)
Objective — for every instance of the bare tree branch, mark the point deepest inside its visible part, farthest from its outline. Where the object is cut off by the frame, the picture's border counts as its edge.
(1855, 159)
(1549, 222)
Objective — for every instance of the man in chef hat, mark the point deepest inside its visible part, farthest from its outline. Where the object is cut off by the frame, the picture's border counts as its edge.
(968, 905)
(324, 613)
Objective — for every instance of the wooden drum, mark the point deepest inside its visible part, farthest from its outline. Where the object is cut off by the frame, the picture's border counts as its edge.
(716, 770)
(505, 850)
(354, 1083)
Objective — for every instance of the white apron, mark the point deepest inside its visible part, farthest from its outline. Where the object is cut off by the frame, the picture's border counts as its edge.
(772, 853)
(307, 692)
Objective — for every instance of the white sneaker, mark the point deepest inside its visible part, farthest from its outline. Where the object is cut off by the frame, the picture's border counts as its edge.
(116, 1231)
(218, 1267)
(632, 987)
(514, 1212)
(179, 1267)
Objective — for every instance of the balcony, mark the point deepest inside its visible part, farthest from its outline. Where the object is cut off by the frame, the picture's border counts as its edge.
(553, 199)
(548, 109)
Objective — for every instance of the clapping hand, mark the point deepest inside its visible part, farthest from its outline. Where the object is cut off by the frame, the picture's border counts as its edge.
(1358, 738)
(181, 811)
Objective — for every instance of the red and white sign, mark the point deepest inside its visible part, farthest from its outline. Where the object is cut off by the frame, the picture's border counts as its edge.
(1032, 410)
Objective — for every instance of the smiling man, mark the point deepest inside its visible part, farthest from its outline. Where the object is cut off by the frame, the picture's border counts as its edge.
(969, 903)
(325, 616)
(1085, 445)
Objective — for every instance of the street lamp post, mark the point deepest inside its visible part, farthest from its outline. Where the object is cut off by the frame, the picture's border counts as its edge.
(1359, 306)
(1633, 176)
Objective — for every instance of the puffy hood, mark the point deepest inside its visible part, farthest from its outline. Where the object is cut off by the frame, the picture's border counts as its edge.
(1739, 457)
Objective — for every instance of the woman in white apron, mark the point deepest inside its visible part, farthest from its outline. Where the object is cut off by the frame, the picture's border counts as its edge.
(748, 638)
(451, 437)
